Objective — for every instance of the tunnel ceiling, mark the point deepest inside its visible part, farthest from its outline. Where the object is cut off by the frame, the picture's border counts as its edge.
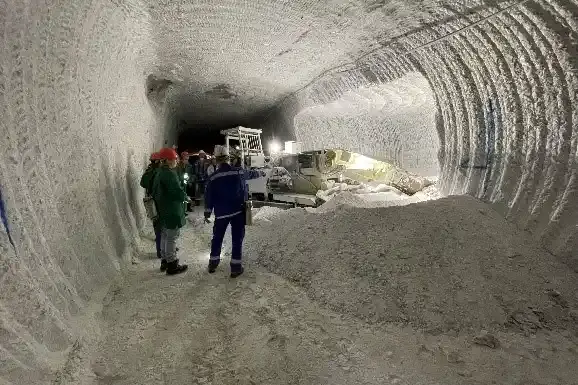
(229, 59)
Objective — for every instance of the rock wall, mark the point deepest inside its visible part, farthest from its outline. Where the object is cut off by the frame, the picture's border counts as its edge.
(76, 132)
(505, 83)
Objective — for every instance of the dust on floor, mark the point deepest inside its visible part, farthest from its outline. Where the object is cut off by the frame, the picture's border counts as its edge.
(198, 328)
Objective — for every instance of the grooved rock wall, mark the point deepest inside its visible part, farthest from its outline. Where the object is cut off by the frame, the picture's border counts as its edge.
(505, 82)
(76, 129)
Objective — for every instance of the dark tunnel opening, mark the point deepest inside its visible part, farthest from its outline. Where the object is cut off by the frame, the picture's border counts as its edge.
(194, 139)
(201, 120)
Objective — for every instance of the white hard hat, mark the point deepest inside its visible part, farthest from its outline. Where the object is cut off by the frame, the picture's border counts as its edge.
(220, 151)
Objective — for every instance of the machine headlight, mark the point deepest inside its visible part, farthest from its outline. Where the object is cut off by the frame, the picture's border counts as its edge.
(274, 147)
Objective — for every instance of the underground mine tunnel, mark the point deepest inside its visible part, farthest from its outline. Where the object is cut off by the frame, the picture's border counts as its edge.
(471, 280)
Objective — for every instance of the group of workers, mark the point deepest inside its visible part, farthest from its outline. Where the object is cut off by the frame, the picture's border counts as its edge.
(194, 175)
(167, 180)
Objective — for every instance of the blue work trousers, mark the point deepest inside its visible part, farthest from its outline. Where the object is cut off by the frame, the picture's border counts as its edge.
(237, 235)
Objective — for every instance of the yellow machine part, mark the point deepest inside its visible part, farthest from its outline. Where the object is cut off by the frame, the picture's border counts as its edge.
(364, 169)
(330, 163)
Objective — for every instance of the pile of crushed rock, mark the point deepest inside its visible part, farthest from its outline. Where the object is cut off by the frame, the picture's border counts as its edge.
(451, 264)
(373, 197)
(266, 213)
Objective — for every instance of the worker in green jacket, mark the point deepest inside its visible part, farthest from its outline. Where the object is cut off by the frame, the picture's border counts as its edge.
(146, 183)
(170, 198)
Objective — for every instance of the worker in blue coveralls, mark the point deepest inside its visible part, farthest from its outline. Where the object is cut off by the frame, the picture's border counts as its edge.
(226, 194)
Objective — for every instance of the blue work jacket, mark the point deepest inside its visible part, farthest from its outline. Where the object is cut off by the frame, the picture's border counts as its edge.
(226, 190)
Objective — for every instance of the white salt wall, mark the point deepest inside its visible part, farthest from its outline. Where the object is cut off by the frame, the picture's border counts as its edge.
(520, 153)
(394, 121)
(76, 129)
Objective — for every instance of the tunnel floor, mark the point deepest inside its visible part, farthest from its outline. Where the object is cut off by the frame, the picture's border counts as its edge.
(197, 328)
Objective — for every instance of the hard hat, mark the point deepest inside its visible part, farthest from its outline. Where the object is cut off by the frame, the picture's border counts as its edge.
(168, 153)
(184, 153)
(221, 151)
(201, 153)
(155, 156)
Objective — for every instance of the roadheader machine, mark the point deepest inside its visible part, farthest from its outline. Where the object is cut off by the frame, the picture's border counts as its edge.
(299, 178)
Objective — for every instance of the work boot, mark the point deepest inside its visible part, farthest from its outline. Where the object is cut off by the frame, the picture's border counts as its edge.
(174, 268)
(213, 267)
(237, 272)
(163, 265)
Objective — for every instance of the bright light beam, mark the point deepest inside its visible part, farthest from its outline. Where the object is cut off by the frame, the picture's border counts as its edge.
(274, 147)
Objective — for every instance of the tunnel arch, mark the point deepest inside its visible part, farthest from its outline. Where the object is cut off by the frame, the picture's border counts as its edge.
(78, 126)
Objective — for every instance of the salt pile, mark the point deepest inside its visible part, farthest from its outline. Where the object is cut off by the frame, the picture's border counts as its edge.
(266, 213)
(448, 264)
(372, 198)
(343, 199)
(428, 193)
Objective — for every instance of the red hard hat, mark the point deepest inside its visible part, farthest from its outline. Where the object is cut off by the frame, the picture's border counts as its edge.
(168, 153)
(155, 156)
